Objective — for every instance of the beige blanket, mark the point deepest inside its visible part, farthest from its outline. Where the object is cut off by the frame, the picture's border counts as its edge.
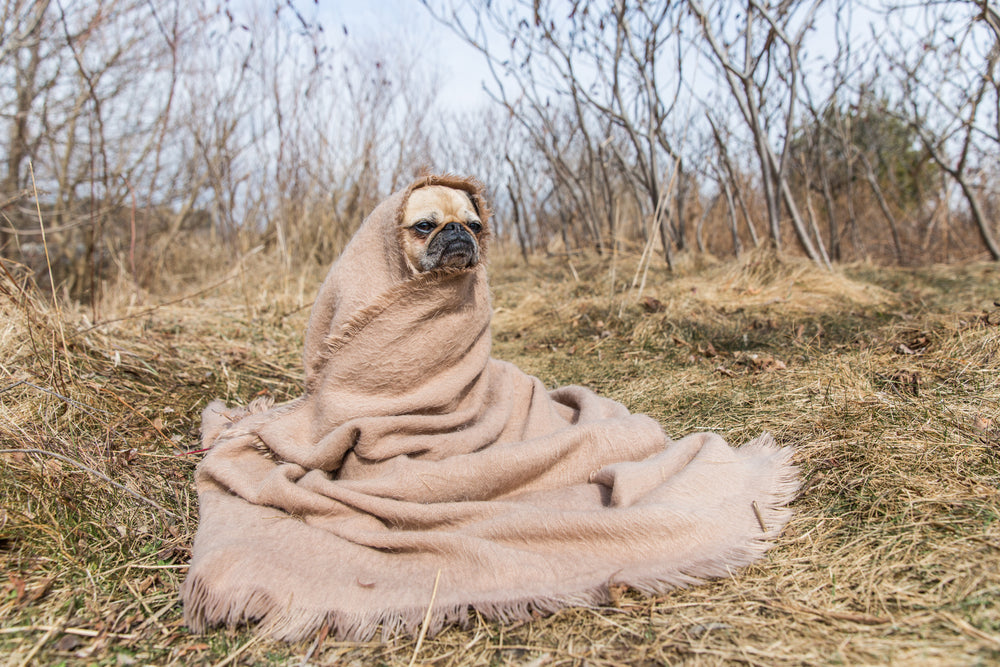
(414, 457)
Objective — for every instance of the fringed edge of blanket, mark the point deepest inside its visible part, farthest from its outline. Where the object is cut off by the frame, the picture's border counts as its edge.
(205, 608)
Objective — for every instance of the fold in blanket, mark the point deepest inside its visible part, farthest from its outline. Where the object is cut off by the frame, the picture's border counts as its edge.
(415, 457)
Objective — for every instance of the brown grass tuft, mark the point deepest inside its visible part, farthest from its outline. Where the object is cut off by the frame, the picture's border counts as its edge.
(888, 380)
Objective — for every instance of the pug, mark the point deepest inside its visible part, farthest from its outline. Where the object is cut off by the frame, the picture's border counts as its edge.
(441, 228)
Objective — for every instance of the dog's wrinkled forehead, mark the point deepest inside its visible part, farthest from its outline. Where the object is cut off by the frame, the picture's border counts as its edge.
(440, 204)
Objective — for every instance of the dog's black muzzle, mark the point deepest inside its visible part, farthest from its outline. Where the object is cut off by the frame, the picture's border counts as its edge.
(455, 243)
(454, 232)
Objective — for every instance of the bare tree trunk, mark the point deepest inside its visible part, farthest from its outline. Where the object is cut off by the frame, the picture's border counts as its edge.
(699, 238)
(831, 213)
(884, 206)
(731, 216)
(982, 224)
(749, 88)
(728, 177)
(516, 210)
(958, 174)
(820, 256)
(680, 200)
(25, 90)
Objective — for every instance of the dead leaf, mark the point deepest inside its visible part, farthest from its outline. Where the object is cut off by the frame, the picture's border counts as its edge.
(914, 341)
(38, 590)
(905, 382)
(19, 587)
(169, 553)
(68, 642)
(982, 424)
(651, 304)
(764, 362)
(191, 648)
(144, 585)
(616, 592)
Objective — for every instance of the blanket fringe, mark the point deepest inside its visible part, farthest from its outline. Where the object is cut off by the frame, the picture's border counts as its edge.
(204, 609)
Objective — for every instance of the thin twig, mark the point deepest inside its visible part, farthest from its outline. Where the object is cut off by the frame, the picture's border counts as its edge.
(193, 451)
(850, 616)
(57, 395)
(324, 630)
(967, 628)
(38, 645)
(131, 247)
(760, 518)
(73, 462)
(13, 281)
(79, 632)
(52, 282)
(237, 653)
(35, 232)
(151, 616)
(22, 303)
(146, 311)
(135, 412)
(427, 620)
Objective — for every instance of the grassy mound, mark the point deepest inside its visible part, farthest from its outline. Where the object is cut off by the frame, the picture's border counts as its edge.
(888, 380)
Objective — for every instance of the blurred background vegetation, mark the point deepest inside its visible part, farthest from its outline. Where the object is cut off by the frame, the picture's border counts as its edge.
(147, 139)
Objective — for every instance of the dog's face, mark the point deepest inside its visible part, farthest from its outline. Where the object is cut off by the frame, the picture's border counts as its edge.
(441, 228)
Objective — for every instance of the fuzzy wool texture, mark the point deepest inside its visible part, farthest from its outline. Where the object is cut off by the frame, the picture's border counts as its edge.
(416, 457)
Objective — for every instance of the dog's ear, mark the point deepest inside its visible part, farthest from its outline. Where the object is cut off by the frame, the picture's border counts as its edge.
(475, 203)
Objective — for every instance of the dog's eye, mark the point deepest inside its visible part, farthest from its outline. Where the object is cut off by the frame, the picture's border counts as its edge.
(475, 227)
(424, 226)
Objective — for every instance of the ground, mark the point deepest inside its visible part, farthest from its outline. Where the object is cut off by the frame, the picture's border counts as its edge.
(887, 380)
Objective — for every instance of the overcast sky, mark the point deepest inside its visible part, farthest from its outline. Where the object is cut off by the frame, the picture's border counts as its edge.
(461, 69)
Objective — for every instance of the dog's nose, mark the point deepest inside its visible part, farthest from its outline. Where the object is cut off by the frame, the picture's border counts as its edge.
(454, 230)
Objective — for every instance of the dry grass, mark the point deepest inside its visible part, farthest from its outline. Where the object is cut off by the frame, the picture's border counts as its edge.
(887, 379)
